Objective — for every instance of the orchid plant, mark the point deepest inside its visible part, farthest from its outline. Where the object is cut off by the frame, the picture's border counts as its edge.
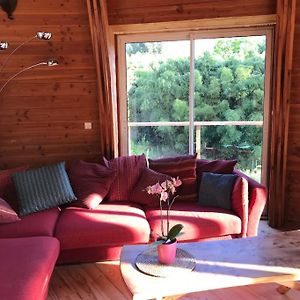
(166, 191)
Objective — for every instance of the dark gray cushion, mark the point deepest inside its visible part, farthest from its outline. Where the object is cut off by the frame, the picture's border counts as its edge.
(43, 188)
(215, 190)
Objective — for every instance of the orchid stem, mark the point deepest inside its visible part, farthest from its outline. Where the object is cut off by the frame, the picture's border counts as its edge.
(168, 208)
(161, 219)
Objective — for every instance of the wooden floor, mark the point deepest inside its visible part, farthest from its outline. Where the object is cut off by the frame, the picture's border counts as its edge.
(103, 280)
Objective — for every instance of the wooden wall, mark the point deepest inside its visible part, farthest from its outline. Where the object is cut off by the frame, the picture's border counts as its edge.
(42, 112)
(292, 200)
(143, 11)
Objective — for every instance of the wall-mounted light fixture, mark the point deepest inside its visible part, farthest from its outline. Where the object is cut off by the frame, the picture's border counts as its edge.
(9, 7)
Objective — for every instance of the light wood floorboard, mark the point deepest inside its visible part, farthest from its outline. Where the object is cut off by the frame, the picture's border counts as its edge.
(103, 280)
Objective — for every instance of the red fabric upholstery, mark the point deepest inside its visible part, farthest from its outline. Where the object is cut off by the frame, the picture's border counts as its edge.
(90, 182)
(199, 222)
(36, 224)
(84, 255)
(147, 178)
(257, 201)
(108, 224)
(26, 267)
(128, 170)
(7, 188)
(185, 168)
(7, 214)
(215, 166)
(240, 202)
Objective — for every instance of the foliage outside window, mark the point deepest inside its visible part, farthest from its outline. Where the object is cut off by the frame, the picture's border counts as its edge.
(229, 80)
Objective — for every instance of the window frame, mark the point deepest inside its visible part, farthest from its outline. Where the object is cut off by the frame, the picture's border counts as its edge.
(192, 35)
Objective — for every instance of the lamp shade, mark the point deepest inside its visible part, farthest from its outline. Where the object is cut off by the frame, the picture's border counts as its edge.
(42, 35)
(3, 45)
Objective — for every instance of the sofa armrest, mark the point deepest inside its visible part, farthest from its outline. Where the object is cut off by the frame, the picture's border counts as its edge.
(240, 203)
(257, 201)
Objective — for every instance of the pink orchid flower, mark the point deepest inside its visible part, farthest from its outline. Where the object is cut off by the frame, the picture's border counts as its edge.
(176, 182)
(164, 196)
(155, 189)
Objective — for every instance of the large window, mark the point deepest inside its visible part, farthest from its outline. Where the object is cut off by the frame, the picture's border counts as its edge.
(204, 93)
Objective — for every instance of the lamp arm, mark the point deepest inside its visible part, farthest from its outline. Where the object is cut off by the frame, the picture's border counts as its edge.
(16, 49)
(20, 72)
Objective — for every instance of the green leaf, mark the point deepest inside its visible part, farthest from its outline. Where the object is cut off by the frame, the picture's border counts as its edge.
(174, 231)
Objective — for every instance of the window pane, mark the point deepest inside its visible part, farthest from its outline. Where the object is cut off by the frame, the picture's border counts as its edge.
(229, 78)
(159, 141)
(229, 88)
(158, 81)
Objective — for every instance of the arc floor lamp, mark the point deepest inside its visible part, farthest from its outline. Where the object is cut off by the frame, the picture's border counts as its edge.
(40, 35)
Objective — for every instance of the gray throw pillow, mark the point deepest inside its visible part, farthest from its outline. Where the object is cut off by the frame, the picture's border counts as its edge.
(215, 190)
(43, 188)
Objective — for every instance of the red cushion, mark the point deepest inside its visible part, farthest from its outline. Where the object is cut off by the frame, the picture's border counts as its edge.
(7, 188)
(215, 166)
(198, 222)
(7, 214)
(90, 182)
(108, 224)
(36, 224)
(240, 202)
(128, 170)
(148, 177)
(182, 166)
(26, 267)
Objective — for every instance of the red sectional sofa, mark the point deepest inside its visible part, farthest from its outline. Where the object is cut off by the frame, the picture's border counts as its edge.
(26, 267)
(74, 234)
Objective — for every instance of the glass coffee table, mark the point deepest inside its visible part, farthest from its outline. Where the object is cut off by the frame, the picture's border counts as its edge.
(220, 264)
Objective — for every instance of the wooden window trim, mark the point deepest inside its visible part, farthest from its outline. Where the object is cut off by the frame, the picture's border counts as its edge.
(264, 26)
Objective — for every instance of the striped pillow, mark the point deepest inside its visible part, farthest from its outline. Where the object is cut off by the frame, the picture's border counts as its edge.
(128, 170)
(185, 168)
(43, 188)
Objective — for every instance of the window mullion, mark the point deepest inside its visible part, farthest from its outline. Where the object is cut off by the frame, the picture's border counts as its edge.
(191, 95)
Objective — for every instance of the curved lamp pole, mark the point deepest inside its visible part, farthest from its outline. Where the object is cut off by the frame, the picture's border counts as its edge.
(49, 63)
(40, 35)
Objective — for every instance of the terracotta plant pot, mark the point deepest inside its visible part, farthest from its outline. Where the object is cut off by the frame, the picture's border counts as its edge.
(167, 252)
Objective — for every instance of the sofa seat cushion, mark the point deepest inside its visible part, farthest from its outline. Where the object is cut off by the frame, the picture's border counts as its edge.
(199, 222)
(26, 267)
(36, 224)
(108, 224)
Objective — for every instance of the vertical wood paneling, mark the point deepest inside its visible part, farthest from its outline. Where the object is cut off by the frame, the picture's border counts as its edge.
(293, 156)
(142, 11)
(42, 112)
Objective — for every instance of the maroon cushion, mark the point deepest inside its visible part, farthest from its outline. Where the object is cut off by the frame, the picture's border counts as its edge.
(36, 224)
(26, 267)
(7, 214)
(182, 166)
(108, 224)
(198, 222)
(128, 170)
(147, 178)
(7, 187)
(215, 166)
(220, 166)
(90, 182)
